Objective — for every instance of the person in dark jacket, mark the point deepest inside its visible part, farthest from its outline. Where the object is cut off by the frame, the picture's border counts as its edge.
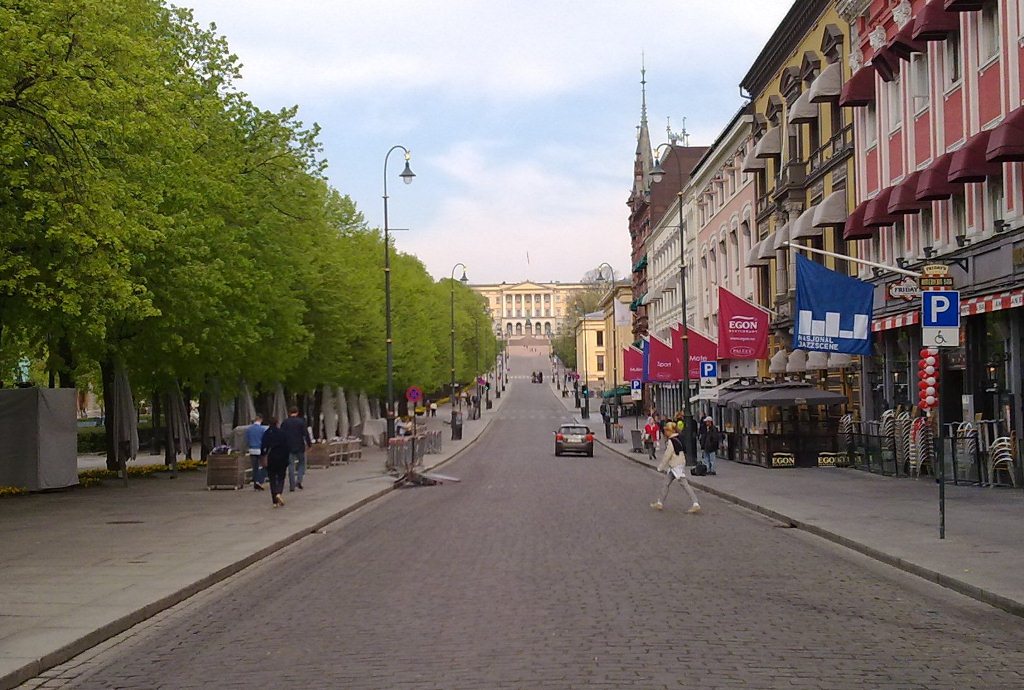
(709, 438)
(275, 449)
(297, 435)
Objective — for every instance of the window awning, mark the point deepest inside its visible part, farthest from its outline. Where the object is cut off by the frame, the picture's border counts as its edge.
(831, 212)
(752, 163)
(803, 226)
(904, 196)
(802, 111)
(854, 229)
(781, 395)
(934, 23)
(969, 163)
(766, 252)
(933, 185)
(770, 144)
(876, 213)
(754, 259)
(1006, 144)
(963, 5)
(903, 44)
(859, 90)
(886, 63)
(828, 85)
(781, 236)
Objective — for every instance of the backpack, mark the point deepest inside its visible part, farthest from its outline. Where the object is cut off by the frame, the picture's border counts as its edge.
(699, 470)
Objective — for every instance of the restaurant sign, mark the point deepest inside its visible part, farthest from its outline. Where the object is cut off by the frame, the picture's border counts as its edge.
(905, 289)
(935, 277)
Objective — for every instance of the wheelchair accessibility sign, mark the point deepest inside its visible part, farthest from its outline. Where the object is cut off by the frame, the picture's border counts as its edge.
(708, 374)
(940, 318)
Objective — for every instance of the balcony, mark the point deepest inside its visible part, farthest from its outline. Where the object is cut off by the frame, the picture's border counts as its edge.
(834, 151)
(791, 179)
(763, 209)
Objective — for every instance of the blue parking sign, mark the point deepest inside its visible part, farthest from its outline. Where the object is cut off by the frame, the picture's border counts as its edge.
(940, 309)
(709, 369)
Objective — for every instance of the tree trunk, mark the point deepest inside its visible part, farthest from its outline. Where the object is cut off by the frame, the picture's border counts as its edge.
(170, 452)
(186, 393)
(156, 441)
(318, 403)
(204, 409)
(107, 377)
(66, 363)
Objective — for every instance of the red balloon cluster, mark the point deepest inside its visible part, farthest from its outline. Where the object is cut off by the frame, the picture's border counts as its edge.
(928, 378)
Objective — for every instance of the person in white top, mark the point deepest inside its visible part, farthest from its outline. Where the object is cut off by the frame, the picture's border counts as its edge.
(673, 463)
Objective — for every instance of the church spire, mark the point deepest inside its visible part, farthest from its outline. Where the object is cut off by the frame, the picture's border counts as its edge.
(644, 161)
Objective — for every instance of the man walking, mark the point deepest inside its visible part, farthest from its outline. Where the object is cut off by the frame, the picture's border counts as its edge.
(298, 438)
(254, 438)
(709, 438)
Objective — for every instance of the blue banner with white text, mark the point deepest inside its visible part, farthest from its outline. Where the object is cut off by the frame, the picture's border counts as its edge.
(833, 311)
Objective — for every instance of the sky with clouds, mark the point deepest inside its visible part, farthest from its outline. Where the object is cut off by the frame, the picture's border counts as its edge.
(521, 115)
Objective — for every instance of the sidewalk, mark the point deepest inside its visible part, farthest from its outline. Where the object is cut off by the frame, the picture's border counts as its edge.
(83, 565)
(895, 521)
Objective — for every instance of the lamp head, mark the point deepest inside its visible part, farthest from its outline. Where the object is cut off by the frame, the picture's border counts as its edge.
(658, 172)
(463, 279)
(407, 174)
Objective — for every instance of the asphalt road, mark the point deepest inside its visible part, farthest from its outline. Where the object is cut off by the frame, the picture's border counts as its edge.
(544, 572)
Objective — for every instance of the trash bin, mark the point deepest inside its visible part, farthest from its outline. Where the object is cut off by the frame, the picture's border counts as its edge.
(456, 426)
(637, 437)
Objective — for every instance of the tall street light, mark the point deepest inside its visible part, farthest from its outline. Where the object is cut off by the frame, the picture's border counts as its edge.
(406, 176)
(462, 280)
(615, 348)
(585, 409)
(688, 436)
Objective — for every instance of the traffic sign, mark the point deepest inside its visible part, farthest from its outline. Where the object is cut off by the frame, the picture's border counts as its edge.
(414, 394)
(636, 389)
(940, 318)
(708, 374)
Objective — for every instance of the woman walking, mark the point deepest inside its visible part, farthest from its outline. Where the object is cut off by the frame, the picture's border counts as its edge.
(275, 450)
(673, 463)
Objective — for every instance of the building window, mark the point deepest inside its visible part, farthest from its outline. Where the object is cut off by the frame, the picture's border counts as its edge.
(600, 338)
(951, 58)
(870, 125)
(995, 198)
(920, 88)
(958, 216)
(895, 104)
(924, 229)
(988, 32)
(600, 361)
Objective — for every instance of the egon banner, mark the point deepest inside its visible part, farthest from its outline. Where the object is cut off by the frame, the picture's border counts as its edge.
(742, 328)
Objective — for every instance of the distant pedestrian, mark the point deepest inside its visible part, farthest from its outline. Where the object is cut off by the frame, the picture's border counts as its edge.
(274, 448)
(651, 433)
(299, 440)
(433, 409)
(254, 438)
(709, 438)
(673, 464)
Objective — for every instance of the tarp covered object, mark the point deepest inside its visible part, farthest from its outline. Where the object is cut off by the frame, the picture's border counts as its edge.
(343, 425)
(126, 421)
(355, 419)
(330, 417)
(246, 408)
(177, 421)
(278, 406)
(213, 421)
(38, 438)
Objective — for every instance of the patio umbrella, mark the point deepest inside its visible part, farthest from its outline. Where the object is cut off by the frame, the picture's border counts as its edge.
(364, 408)
(177, 420)
(244, 404)
(355, 419)
(330, 416)
(343, 422)
(278, 407)
(212, 431)
(126, 424)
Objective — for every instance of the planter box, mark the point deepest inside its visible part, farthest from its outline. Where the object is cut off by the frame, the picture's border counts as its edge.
(227, 471)
(318, 455)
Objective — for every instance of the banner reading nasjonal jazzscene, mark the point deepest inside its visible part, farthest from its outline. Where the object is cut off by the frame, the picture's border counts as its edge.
(833, 311)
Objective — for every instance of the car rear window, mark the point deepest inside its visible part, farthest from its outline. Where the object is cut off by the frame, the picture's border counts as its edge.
(580, 430)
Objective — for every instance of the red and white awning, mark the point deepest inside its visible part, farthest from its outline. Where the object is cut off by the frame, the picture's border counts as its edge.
(973, 306)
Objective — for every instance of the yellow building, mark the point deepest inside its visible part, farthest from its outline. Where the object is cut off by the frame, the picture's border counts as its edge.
(529, 308)
(618, 324)
(803, 163)
(591, 351)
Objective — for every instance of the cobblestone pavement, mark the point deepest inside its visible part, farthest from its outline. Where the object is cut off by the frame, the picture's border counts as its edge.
(544, 572)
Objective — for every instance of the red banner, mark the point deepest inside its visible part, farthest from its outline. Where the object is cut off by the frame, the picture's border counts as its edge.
(661, 365)
(702, 349)
(633, 364)
(742, 328)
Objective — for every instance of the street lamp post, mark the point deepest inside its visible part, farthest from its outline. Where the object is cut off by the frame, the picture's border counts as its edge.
(585, 409)
(451, 393)
(689, 439)
(406, 175)
(615, 348)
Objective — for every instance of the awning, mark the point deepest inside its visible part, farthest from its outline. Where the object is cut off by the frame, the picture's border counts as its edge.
(886, 63)
(854, 229)
(876, 214)
(934, 23)
(1006, 144)
(963, 5)
(933, 185)
(621, 390)
(886, 323)
(777, 364)
(969, 163)
(797, 362)
(780, 394)
(831, 212)
(752, 163)
(828, 85)
(712, 394)
(903, 44)
(754, 259)
(780, 237)
(859, 90)
(766, 250)
(770, 144)
(803, 227)
(802, 111)
(904, 196)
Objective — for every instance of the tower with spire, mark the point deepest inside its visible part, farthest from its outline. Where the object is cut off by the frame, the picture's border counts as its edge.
(644, 160)
(639, 203)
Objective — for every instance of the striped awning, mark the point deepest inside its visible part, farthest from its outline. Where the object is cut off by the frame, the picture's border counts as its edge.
(1010, 299)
